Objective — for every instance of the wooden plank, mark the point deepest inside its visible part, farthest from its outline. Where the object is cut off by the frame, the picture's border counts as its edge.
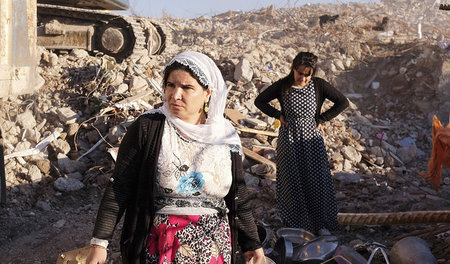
(256, 131)
(234, 115)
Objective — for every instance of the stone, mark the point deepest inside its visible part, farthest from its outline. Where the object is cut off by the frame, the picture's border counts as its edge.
(79, 53)
(137, 85)
(66, 115)
(26, 120)
(243, 71)
(351, 154)
(68, 184)
(72, 129)
(61, 146)
(68, 166)
(347, 177)
(44, 165)
(43, 205)
(34, 173)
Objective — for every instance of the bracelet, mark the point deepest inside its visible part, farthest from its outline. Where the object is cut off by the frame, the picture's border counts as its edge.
(99, 242)
(98, 246)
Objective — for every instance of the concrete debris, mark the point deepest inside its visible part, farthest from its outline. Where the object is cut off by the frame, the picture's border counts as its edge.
(396, 81)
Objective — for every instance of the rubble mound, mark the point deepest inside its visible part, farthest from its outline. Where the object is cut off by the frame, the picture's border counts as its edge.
(391, 59)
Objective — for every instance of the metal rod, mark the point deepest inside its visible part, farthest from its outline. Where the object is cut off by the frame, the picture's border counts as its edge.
(413, 217)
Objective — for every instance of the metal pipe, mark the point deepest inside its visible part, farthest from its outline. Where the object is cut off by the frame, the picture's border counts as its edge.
(413, 217)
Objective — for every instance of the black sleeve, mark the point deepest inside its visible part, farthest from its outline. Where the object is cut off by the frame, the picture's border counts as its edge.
(340, 102)
(263, 99)
(248, 238)
(122, 183)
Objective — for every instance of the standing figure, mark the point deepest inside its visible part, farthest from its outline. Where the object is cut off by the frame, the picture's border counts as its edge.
(305, 190)
(179, 179)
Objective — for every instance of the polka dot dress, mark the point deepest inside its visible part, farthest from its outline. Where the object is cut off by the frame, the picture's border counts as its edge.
(305, 190)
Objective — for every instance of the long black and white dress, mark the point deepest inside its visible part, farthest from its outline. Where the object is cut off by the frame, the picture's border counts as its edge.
(305, 190)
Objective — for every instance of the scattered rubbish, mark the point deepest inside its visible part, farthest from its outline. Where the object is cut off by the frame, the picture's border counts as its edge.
(317, 250)
(39, 147)
(375, 85)
(324, 19)
(406, 142)
(346, 255)
(296, 235)
(444, 44)
(381, 136)
(372, 255)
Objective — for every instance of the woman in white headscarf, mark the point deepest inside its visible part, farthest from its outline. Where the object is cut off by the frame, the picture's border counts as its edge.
(178, 178)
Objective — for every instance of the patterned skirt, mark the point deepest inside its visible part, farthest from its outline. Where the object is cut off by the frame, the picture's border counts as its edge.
(189, 239)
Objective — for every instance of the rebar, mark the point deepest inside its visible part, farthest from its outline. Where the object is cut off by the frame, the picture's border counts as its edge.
(413, 217)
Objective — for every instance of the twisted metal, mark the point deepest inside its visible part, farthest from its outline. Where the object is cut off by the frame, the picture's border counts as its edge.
(413, 217)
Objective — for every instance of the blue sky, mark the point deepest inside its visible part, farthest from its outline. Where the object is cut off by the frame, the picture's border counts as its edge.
(197, 8)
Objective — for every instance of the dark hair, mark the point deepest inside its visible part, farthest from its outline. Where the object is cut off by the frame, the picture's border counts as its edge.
(178, 66)
(303, 58)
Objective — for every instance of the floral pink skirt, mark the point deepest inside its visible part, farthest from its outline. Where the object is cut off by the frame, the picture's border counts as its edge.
(189, 239)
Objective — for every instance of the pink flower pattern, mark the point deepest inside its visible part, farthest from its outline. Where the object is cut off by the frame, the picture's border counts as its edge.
(165, 239)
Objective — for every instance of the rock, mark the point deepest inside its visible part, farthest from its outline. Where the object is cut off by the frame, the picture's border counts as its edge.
(76, 175)
(44, 165)
(243, 71)
(72, 129)
(347, 177)
(255, 123)
(59, 223)
(137, 85)
(68, 166)
(34, 173)
(407, 154)
(26, 120)
(67, 115)
(67, 184)
(61, 146)
(251, 180)
(351, 154)
(79, 53)
(43, 205)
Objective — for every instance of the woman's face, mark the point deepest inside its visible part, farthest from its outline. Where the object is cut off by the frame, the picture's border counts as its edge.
(186, 97)
(302, 75)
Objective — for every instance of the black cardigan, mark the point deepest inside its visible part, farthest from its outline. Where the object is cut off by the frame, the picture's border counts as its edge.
(130, 191)
(323, 90)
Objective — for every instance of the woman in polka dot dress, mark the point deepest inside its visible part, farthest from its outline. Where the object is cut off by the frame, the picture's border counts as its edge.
(305, 190)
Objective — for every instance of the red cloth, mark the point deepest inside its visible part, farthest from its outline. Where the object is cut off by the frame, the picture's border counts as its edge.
(440, 154)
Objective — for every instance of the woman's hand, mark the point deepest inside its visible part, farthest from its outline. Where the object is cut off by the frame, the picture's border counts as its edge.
(97, 255)
(257, 255)
(283, 122)
(320, 127)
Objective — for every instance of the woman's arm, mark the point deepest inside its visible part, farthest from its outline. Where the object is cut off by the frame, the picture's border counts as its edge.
(263, 99)
(340, 102)
(247, 232)
(121, 184)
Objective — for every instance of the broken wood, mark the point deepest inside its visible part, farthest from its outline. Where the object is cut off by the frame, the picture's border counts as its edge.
(256, 131)
(234, 115)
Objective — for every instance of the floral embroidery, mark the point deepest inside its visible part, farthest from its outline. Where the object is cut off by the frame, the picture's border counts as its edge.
(191, 183)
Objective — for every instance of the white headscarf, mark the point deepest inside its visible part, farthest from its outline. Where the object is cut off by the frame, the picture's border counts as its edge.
(217, 129)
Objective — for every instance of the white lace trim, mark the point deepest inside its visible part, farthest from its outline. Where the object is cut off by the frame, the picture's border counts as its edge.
(236, 148)
(197, 71)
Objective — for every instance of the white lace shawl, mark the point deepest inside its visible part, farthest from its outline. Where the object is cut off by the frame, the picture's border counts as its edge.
(217, 129)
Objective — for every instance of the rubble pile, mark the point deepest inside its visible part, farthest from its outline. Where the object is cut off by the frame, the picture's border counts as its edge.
(391, 59)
